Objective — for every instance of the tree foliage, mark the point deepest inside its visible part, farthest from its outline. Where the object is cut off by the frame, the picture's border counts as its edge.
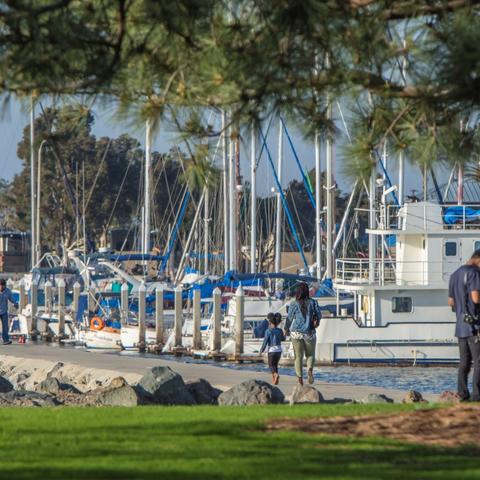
(160, 59)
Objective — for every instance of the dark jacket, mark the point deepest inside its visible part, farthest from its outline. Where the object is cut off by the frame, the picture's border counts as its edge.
(273, 338)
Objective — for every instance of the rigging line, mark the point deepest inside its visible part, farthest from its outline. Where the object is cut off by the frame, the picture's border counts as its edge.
(264, 142)
(119, 192)
(98, 172)
(285, 205)
(292, 198)
(306, 180)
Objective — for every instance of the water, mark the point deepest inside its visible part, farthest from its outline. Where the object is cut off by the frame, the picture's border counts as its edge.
(421, 378)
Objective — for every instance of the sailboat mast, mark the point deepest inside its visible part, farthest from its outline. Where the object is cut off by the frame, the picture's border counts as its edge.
(319, 205)
(253, 202)
(278, 223)
(330, 200)
(226, 228)
(33, 246)
(146, 203)
(232, 203)
(206, 232)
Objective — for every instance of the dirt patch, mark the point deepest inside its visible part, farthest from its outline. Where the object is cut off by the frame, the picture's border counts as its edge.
(453, 426)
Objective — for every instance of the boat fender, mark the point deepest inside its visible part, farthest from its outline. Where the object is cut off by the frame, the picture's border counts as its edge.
(365, 304)
(96, 323)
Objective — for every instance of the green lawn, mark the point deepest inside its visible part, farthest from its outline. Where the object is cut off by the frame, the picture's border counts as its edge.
(191, 443)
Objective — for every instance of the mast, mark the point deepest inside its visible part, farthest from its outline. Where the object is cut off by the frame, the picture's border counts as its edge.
(232, 203)
(371, 226)
(253, 202)
(401, 157)
(146, 203)
(226, 229)
(278, 223)
(206, 229)
(319, 205)
(238, 199)
(330, 187)
(39, 191)
(33, 243)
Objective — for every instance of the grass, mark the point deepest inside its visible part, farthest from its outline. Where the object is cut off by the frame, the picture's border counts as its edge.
(192, 443)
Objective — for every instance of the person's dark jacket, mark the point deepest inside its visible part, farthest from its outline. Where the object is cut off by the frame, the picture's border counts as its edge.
(273, 338)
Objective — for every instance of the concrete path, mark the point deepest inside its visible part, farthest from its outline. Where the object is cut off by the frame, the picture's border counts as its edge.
(135, 365)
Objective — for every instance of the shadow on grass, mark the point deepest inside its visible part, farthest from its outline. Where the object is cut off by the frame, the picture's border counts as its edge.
(211, 444)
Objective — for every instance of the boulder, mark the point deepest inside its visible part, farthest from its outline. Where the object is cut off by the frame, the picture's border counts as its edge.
(203, 392)
(5, 385)
(50, 385)
(448, 396)
(26, 398)
(413, 396)
(53, 386)
(164, 386)
(376, 398)
(118, 394)
(305, 394)
(251, 392)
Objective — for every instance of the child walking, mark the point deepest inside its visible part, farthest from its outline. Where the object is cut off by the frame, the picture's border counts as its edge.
(273, 340)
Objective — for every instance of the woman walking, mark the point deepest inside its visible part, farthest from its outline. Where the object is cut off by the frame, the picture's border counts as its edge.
(302, 320)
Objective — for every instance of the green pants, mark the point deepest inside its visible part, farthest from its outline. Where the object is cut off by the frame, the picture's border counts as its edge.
(303, 347)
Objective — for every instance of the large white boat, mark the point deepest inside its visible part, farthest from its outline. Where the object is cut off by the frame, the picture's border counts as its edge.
(400, 304)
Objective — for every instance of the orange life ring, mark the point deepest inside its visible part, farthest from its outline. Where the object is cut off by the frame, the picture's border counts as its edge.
(96, 323)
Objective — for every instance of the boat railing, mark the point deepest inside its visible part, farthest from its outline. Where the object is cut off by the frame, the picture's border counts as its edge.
(380, 272)
(427, 216)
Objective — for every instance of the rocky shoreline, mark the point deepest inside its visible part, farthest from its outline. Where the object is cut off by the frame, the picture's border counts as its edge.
(42, 383)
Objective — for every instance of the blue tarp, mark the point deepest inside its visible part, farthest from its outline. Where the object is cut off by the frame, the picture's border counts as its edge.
(456, 214)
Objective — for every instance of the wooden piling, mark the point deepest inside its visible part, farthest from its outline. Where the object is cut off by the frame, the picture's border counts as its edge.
(239, 323)
(9, 305)
(48, 304)
(197, 320)
(76, 300)
(91, 301)
(142, 307)
(159, 316)
(61, 309)
(178, 317)
(124, 303)
(22, 301)
(34, 310)
(217, 320)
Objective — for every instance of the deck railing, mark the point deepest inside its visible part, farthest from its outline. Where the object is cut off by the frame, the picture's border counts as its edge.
(390, 272)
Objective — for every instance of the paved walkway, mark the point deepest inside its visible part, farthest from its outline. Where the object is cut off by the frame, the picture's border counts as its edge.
(221, 377)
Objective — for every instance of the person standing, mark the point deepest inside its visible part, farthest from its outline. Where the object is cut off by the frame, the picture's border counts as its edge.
(464, 298)
(302, 319)
(5, 297)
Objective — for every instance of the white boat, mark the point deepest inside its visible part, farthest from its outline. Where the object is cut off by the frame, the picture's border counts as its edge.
(400, 305)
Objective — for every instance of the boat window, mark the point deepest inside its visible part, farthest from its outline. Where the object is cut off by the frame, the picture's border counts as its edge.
(450, 249)
(402, 304)
(476, 245)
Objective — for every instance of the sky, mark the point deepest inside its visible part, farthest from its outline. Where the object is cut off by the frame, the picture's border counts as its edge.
(16, 116)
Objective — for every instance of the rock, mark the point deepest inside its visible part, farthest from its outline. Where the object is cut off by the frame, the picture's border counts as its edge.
(376, 398)
(50, 385)
(25, 398)
(163, 385)
(203, 392)
(305, 394)
(413, 397)
(125, 396)
(5, 385)
(251, 392)
(448, 396)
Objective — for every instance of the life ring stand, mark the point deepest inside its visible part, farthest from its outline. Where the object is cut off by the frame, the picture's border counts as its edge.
(96, 323)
